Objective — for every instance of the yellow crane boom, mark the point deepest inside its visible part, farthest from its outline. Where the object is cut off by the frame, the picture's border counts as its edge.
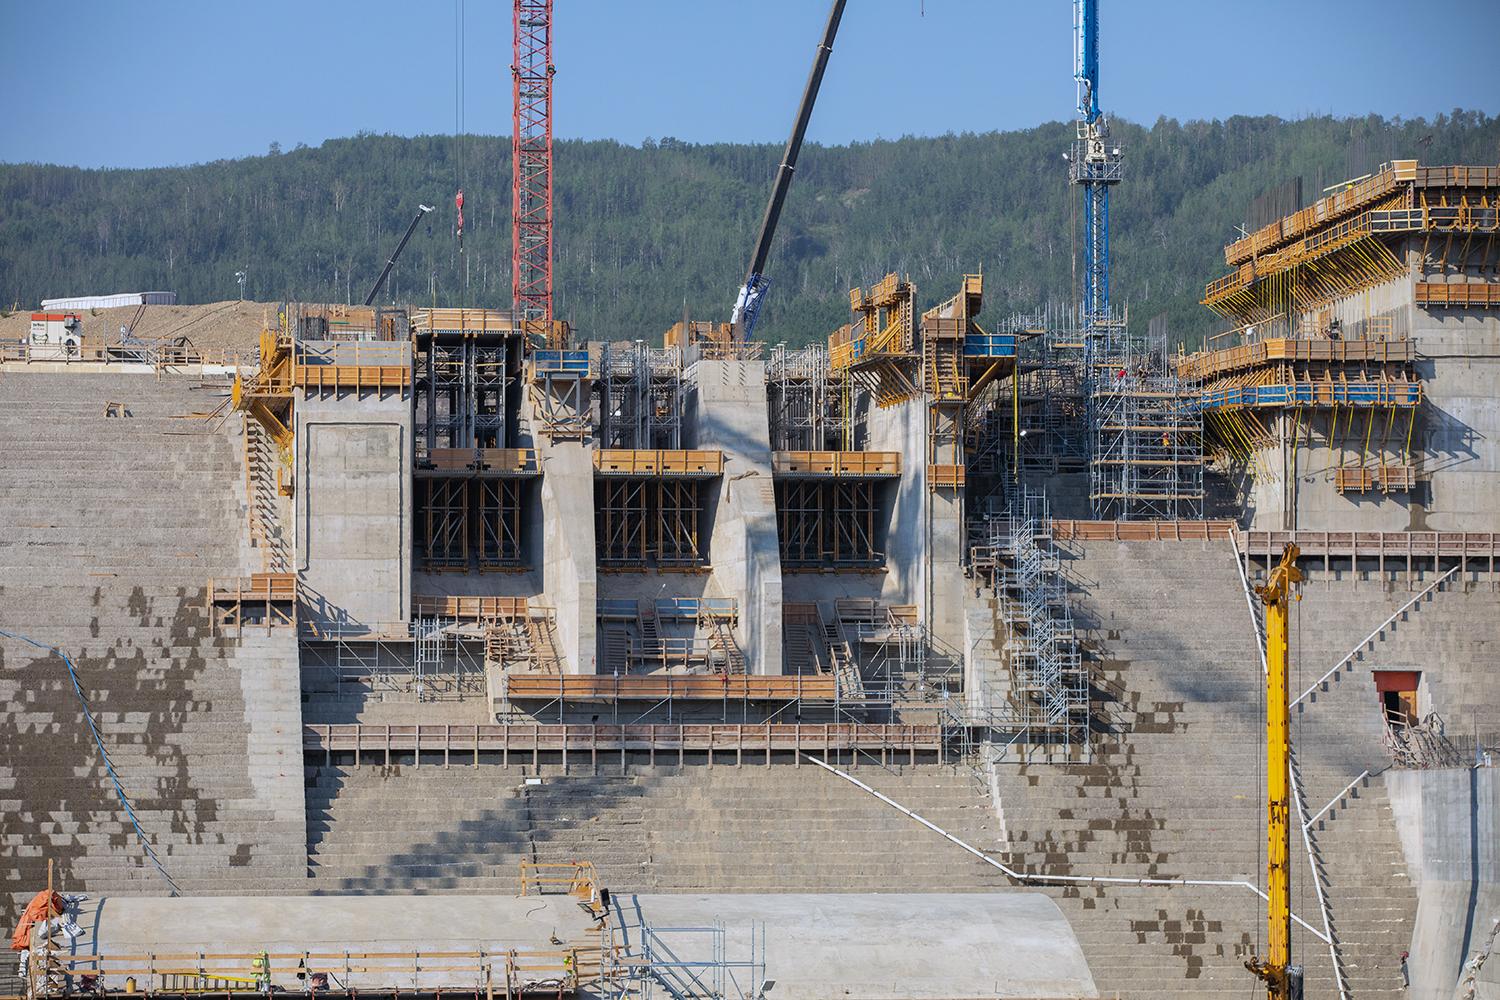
(1277, 597)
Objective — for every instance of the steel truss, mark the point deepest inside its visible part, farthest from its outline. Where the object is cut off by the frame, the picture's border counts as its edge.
(531, 165)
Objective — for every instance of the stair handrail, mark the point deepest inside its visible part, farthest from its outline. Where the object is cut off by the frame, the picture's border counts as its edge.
(1334, 801)
(1371, 637)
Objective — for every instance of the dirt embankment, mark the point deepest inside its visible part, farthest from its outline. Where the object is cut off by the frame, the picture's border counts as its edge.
(212, 326)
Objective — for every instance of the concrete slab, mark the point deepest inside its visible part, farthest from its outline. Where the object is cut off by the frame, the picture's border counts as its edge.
(384, 926)
(878, 945)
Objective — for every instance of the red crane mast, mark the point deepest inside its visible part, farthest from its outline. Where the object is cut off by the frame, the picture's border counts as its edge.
(531, 166)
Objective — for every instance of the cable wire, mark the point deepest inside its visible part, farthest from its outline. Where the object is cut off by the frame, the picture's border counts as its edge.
(88, 715)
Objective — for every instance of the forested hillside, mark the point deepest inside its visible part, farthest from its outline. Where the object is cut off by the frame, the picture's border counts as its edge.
(646, 233)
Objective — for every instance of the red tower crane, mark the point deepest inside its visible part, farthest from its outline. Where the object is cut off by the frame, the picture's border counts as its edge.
(531, 167)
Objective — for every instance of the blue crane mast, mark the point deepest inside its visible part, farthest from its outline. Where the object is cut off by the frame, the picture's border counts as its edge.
(1094, 164)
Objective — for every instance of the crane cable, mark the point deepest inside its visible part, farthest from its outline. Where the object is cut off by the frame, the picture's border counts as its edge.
(460, 141)
(88, 715)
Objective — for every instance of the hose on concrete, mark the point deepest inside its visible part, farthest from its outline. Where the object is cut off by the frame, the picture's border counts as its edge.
(109, 766)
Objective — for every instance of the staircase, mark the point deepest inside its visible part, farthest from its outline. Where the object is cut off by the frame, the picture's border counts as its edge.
(263, 499)
(694, 829)
(650, 634)
(841, 657)
(118, 523)
(1175, 789)
(721, 642)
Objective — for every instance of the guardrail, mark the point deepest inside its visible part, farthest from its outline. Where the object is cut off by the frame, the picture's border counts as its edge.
(1357, 394)
(470, 741)
(565, 966)
(506, 461)
(1141, 531)
(695, 607)
(1208, 363)
(561, 364)
(990, 345)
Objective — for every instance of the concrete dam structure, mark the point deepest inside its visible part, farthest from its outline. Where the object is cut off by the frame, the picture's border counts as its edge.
(430, 649)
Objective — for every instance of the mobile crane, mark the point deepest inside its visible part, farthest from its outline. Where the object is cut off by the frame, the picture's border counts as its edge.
(752, 293)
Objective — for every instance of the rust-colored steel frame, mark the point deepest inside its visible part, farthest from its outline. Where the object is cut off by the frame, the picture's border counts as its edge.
(829, 524)
(649, 521)
(468, 522)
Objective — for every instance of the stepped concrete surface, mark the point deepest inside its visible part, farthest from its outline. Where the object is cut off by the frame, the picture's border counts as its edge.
(116, 525)
(663, 829)
(1175, 789)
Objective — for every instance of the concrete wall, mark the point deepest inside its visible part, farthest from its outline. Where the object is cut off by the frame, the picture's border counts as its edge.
(1449, 822)
(353, 495)
(730, 413)
(924, 541)
(1456, 439)
(1459, 362)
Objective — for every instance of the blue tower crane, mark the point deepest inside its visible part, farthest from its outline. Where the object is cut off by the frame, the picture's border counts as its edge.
(1094, 164)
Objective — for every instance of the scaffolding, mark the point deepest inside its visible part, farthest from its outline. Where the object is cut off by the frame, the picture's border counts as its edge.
(642, 392)
(1146, 452)
(878, 350)
(830, 524)
(683, 635)
(650, 521)
(809, 404)
(432, 657)
(560, 397)
(471, 521)
(1043, 696)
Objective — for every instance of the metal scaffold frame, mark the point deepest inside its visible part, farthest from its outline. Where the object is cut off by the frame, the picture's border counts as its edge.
(809, 407)
(466, 385)
(642, 392)
(1046, 698)
(1146, 452)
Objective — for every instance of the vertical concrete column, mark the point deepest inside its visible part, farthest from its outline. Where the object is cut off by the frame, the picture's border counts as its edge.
(732, 416)
(1449, 823)
(924, 544)
(568, 557)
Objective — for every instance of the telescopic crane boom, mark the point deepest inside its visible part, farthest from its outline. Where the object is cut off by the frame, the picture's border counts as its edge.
(1283, 980)
(386, 271)
(747, 304)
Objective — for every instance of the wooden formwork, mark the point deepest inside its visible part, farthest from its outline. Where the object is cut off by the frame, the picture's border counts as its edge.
(836, 463)
(658, 462)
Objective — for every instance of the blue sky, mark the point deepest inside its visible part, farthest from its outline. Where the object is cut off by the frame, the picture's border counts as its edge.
(157, 82)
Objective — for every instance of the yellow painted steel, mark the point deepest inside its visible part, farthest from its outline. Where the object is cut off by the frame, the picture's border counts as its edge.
(1277, 596)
